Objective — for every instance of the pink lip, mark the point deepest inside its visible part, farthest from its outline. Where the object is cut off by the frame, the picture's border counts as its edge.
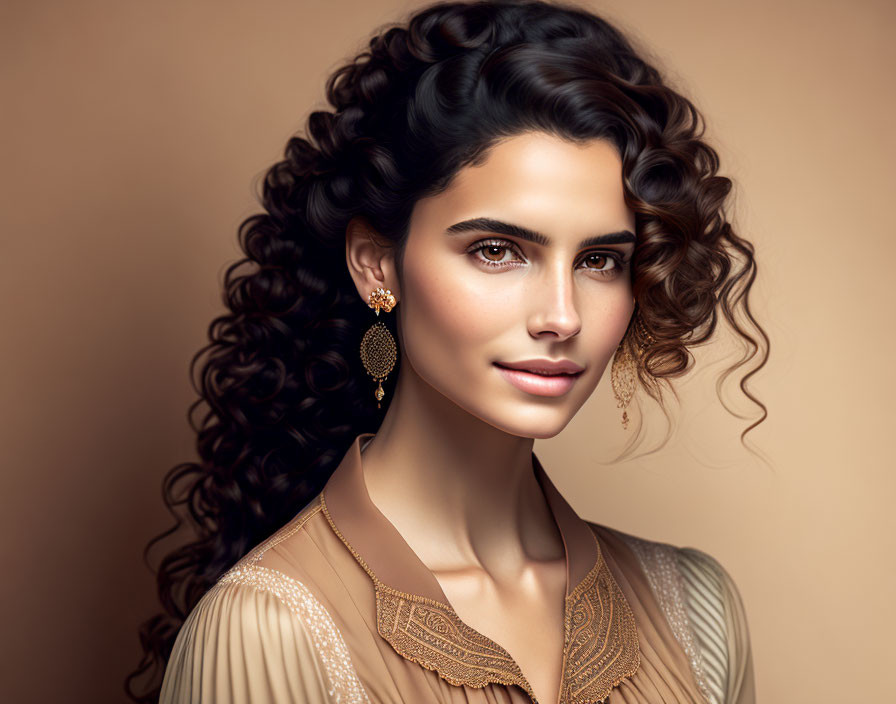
(539, 384)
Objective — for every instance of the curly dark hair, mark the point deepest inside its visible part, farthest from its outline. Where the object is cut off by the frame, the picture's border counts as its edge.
(282, 380)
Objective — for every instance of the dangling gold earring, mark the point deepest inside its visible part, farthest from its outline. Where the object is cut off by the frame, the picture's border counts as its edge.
(378, 349)
(622, 379)
(624, 372)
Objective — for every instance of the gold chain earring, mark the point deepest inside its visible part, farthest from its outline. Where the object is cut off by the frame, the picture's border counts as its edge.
(624, 372)
(378, 349)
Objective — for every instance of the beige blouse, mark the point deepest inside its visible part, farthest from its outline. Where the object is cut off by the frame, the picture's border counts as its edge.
(335, 607)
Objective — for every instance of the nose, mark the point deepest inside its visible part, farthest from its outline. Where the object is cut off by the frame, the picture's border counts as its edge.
(554, 305)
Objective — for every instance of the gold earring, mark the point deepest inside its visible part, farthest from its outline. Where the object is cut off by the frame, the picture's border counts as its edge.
(378, 349)
(622, 379)
(623, 373)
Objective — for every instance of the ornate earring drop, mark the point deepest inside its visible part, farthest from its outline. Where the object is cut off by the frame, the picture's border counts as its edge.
(622, 379)
(378, 349)
(623, 373)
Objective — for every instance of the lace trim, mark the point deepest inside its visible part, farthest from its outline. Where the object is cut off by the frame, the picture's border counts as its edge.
(432, 635)
(601, 646)
(344, 685)
(660, 566)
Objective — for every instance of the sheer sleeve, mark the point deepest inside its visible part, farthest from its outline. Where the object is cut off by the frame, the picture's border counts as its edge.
(242, 644)
(719, 621)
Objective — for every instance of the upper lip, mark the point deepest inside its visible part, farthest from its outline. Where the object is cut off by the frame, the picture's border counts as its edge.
(545, 366)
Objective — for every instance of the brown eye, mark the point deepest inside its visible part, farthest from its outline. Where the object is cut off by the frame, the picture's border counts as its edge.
(605, 264)
(600, 260)
(494, 252)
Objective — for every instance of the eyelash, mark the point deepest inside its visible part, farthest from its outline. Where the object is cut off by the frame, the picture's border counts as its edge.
(506, 244)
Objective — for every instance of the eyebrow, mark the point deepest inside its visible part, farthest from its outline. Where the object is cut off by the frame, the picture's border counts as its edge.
(524, 233)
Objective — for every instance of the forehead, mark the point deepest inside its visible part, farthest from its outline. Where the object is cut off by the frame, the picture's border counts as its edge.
(543, 179)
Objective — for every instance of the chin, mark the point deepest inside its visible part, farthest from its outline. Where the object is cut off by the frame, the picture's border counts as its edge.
(539, 424)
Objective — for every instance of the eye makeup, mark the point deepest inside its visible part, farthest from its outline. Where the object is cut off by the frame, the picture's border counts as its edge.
(619, 263)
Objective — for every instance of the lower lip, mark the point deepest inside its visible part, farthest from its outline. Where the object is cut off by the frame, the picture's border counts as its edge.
(539, 384)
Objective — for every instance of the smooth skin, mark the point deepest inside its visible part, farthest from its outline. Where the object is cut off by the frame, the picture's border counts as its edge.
(451, 464)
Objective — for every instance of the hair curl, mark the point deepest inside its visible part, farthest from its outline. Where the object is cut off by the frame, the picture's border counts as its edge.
(427, 98)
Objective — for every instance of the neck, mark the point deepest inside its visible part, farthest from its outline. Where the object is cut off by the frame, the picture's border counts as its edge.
(461, 492)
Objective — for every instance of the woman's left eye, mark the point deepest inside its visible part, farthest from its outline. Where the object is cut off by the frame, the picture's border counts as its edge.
(606, 263)
(493, 253)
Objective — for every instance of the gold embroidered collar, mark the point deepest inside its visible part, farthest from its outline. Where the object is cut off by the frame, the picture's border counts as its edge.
(413, 614)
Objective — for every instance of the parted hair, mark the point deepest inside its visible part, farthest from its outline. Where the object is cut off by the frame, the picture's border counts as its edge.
(280, 383)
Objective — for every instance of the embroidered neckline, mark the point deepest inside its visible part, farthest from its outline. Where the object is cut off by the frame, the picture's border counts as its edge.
(601, 647)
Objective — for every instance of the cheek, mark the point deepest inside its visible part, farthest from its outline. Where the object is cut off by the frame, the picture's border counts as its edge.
(608, 319)
(451, 319)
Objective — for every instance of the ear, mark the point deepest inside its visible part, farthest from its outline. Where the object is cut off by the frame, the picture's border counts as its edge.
(370, 258)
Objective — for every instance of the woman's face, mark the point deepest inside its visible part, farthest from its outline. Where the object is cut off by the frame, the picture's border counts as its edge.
(525, 257)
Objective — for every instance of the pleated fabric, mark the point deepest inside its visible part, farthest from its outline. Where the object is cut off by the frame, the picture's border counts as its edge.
(295, 622)
(717, 616)
(243, 644)
(704, 609)
(260, 635)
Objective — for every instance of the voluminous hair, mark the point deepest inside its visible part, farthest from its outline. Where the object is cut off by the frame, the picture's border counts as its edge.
(281, 382)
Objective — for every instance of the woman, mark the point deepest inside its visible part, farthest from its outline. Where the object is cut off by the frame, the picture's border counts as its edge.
(521, 203)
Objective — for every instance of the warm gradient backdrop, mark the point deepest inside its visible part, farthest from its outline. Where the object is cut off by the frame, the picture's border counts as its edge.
(132, 133)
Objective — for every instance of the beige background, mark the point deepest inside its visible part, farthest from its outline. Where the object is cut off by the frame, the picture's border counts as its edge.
(132, 132)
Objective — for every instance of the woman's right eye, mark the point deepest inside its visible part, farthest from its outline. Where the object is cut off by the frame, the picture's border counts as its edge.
(492, 253)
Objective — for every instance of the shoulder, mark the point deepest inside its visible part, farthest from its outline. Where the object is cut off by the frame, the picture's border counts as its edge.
(258, 635)
(704, 609)
(669, 568)
(664, 562)
(225, 647)
(288, 534)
